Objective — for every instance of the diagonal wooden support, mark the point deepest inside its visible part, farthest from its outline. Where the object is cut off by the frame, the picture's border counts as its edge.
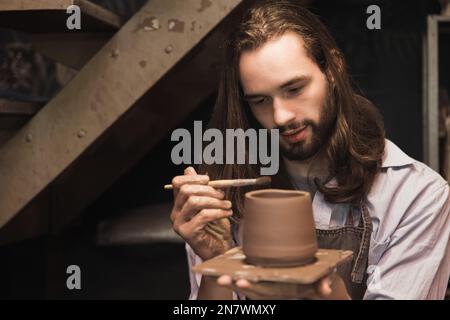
(113, 81)
(152, 119)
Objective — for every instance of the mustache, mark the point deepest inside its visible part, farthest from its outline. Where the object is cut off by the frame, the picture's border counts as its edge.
(296, 125)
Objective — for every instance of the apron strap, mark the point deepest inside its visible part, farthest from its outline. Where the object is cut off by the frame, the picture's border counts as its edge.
(349, 221)
(359, 268)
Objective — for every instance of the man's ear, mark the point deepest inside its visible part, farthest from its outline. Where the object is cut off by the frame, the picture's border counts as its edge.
(338, 61)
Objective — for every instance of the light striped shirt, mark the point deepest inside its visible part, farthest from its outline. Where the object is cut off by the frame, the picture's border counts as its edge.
(409, 255)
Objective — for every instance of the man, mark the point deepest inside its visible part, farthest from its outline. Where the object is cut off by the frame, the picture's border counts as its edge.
(283, 70)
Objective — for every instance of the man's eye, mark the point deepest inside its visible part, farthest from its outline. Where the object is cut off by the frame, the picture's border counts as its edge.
(294, 90)
(257, 102)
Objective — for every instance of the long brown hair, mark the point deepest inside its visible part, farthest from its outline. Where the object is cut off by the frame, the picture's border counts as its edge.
(356, 142)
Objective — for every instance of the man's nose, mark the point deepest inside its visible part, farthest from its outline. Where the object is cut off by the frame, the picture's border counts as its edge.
(282, 113)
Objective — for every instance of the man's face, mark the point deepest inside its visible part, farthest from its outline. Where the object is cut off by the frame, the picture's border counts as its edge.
(286, 90)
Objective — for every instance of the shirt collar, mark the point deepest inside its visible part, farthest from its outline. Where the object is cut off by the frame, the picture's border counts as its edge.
(394, 157)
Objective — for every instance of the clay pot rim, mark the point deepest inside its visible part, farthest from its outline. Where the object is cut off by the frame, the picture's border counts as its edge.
(290, 194)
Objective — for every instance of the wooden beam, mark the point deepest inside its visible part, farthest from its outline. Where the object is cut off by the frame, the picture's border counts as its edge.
(446, 10)
(18, 108)
(50, 16)
(73, 50)
(152, 118)
(113, 81)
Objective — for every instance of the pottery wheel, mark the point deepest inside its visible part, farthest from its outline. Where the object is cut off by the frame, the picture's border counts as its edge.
(233, 263)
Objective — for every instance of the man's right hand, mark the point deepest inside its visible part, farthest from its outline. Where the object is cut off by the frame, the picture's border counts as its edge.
(195, 205)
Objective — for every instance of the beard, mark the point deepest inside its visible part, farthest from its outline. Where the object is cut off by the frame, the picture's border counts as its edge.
(319, 134)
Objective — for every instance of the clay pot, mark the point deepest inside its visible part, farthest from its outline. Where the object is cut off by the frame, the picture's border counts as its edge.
(279, 228)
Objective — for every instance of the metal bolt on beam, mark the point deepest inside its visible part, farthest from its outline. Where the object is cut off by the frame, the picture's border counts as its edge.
(168, 49)
(115, 53)
(81, 133)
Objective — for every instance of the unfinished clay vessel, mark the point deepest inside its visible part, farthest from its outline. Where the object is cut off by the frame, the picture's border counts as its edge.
(279, 228)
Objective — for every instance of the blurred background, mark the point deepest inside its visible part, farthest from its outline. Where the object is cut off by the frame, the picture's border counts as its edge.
(105, 209)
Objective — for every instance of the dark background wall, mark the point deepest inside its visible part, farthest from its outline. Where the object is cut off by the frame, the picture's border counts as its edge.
(386, 64)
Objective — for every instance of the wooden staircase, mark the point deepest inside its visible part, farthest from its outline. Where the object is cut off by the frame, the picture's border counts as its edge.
(45, 22)
(123, 101)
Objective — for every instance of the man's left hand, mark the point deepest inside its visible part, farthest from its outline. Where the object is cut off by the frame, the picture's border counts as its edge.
(331, 287)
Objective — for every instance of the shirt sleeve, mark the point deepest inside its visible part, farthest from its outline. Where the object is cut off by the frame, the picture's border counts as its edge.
(196, 278)
(414, 263)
